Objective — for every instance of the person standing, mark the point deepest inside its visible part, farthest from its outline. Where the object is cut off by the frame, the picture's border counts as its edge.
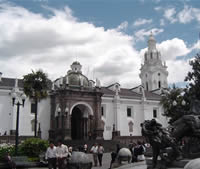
(50, 156)
(62, 154)
(10, 162)
(100, 153)
(94, 151)
(139, 151)
(85, 148)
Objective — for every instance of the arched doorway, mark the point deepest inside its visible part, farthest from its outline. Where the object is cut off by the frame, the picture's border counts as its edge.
(81, 124)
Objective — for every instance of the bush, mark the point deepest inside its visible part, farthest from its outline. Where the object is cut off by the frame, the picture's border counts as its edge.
(4, 148)
(32, 147)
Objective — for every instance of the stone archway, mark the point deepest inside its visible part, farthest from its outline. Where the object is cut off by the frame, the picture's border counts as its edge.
(80, 121)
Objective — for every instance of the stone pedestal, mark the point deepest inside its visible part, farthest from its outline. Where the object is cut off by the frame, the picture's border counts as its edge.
(67, 134)
(115, 134)
(99, 134)
(193, 164)
(79, 160)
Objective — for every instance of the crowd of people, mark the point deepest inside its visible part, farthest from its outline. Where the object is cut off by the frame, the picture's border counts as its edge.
(59, 156)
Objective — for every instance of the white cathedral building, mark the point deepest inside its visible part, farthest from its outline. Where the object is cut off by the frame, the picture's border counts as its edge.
(78, 107)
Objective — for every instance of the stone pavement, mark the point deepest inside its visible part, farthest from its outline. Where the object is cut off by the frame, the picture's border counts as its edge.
(106, 163)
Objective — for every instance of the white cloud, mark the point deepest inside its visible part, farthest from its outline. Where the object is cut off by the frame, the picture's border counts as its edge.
(170, 51)
(186, 15)
(122, 26)
(32, 41)
(141, 34)
(178, 70)
(169, 14)
(173, 48)
(141, 21)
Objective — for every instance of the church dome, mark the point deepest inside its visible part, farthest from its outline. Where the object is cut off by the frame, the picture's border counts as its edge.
(74, 77)
(77, 79)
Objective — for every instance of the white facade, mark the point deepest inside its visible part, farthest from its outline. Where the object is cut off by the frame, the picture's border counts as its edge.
(123, 109)
(142, 108)
(8, 113)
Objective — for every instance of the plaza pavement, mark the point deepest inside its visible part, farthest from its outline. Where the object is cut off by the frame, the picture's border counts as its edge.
(106, 163)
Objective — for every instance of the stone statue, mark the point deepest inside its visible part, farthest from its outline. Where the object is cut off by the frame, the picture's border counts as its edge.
(160, 139)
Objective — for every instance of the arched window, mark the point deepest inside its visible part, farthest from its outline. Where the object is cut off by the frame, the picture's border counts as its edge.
(130, 125)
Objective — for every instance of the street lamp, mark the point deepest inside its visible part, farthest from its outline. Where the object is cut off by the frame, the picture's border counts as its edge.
(174, 103)
(183, 102)
(16, 97)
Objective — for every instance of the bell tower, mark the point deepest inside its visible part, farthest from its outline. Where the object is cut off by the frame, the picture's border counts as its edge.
(153, 72)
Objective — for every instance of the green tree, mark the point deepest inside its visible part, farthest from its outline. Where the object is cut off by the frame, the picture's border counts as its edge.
(193, 77)
(174, 103)
(35, 87)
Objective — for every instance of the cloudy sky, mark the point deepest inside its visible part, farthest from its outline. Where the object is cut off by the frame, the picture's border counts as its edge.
(108, 37)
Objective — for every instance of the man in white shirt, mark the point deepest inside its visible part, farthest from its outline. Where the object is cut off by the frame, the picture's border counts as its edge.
(61, 154)
(94, 151)
(51, 156)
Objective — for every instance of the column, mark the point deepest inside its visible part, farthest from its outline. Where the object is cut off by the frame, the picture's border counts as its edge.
(67, 127)
(98, 127)
(117, 119)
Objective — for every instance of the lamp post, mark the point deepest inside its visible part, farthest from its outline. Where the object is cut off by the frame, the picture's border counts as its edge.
(16, 97)
(177, 106)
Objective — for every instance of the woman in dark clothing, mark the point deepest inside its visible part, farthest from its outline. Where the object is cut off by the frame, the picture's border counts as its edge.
(100, 153)
(10, 162)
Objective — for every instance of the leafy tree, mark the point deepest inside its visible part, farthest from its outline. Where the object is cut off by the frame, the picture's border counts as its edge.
(193, 78)
(191, 93)
(174, 103)
(35, 87)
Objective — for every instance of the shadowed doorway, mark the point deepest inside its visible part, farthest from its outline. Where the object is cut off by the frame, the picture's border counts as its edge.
(81, 122)
(76, 123)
